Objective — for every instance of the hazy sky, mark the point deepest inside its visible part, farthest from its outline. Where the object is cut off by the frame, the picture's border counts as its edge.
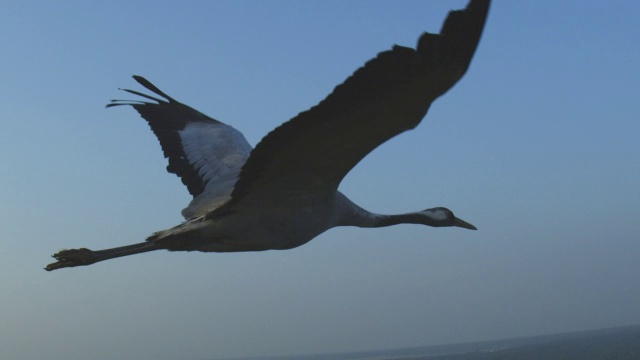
(538, 146)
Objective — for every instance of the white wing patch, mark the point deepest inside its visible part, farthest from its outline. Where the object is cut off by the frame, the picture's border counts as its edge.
(217, 152)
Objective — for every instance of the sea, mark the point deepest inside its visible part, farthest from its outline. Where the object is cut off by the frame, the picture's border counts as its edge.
(619, 343)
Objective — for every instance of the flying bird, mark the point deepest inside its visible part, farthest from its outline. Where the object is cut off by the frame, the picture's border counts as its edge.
(284, 192)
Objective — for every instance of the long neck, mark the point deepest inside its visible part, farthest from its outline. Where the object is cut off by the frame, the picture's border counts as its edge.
(373, 220)
(353, 215)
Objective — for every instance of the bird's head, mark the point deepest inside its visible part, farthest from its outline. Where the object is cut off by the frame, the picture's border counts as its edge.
(440, 216)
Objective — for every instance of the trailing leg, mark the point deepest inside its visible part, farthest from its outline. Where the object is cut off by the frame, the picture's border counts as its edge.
(83, 256)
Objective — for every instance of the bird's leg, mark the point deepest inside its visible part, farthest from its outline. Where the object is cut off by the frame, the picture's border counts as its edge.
(83, 256)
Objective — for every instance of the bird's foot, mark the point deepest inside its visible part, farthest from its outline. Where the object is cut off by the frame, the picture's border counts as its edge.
(71, 258)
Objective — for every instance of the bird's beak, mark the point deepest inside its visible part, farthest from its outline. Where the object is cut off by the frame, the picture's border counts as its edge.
(463, 224)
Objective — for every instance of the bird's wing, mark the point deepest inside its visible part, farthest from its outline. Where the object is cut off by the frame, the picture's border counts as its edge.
(205, 153)
(309, 155)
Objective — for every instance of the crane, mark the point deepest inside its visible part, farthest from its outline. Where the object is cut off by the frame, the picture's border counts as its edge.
(284, 192)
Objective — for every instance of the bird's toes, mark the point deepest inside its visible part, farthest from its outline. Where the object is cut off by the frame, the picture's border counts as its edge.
(71, 257)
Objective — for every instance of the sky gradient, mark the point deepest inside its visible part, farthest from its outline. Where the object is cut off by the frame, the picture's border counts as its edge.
(537, 146)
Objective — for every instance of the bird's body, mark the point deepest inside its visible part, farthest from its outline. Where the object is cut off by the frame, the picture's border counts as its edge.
(258, 228)
(284, 192)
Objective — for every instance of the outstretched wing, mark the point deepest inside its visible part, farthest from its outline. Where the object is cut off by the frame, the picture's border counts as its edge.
(205, 153)
(309, 155)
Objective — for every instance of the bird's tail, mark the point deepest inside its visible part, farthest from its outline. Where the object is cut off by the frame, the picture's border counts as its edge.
(183, 229)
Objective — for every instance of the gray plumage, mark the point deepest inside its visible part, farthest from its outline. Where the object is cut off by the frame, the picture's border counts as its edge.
(284, 192)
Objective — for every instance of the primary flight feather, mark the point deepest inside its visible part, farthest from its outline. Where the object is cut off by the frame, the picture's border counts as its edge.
(284, 192)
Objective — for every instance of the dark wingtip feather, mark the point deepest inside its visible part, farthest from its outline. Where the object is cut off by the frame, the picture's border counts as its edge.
(117, 102)
(147, 84)
(466, 25)
(456, 44)
(467, 21)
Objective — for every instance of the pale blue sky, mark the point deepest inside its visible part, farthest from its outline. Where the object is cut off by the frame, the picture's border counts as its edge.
(537, 146)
